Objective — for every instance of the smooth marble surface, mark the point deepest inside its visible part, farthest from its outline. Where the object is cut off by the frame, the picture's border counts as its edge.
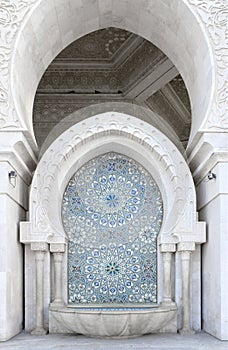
(200, 341)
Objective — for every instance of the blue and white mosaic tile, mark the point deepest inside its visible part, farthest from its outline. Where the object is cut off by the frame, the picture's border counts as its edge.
(112, 213)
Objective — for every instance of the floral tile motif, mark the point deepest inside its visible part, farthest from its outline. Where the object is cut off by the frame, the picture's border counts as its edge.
(112, 213)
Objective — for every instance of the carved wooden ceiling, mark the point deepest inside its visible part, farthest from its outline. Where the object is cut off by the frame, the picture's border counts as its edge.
(111, 65)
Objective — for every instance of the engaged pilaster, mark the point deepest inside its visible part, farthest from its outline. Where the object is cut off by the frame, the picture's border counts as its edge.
(186, 249)
(40, 251)
(58, 250)
(167, 250)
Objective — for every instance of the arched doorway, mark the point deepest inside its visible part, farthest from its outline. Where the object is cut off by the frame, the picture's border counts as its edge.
(112, 66)
(145, 19)
(77, 148)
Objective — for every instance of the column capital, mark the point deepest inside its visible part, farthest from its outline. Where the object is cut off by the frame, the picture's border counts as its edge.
(186, 246)
(20, 152)
(168, 247)
(57, 247)
(39, 246)
(208, 151)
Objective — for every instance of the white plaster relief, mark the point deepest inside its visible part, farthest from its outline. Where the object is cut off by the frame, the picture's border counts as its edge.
(113, 130)
(214, 15)
(12, 14)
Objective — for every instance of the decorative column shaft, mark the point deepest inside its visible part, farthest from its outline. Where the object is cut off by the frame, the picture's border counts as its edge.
(58, 250)
(167, 256)
(40, 250)
(167, 250)
(186, 249)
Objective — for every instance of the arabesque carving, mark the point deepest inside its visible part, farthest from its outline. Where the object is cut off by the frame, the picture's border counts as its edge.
(214, 16)
(12, 14)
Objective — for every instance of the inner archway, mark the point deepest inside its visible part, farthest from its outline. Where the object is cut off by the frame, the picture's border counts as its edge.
(112, 65)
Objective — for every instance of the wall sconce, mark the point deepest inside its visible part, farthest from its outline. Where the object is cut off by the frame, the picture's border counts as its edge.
(211, 176)
(12, 177)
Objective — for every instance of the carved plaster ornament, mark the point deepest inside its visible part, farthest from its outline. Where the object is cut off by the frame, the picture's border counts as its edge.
(127, 129)
(12, 14)
(214, 16)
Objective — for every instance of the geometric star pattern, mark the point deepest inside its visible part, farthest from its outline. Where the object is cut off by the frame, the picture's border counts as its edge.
(112, 213)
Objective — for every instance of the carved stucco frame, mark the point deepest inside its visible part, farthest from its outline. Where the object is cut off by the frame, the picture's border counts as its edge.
(112, 131)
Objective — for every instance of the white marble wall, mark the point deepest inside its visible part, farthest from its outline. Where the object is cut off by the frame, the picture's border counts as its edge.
(11, 255)
(213, 208)
(15, 155)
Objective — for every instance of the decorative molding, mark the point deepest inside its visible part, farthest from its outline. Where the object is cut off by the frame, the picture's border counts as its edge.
(12, 13)
(214, 150)
(129, 46)
(214, 16)
(124, 76)
(183, 114)
(103, 44)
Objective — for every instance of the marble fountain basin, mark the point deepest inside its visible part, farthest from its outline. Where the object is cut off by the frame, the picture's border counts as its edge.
(111, 322)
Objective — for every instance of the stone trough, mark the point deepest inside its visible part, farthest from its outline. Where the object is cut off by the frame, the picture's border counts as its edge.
(113, 323)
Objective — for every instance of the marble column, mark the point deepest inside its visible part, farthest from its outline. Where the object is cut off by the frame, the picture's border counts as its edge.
(167, 250)
(186, 248)
(40, 249)
(58, 250)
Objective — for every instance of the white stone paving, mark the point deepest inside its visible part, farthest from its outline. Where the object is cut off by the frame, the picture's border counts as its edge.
(200, 341)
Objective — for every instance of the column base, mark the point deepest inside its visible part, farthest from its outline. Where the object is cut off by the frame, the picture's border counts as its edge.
(186, 331)
(167, 303)
(39, 331)
(57, 304)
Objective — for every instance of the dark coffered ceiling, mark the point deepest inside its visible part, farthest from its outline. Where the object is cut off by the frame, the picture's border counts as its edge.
(111, 65)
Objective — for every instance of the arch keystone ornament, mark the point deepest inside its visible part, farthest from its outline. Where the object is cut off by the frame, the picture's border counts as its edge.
(86, 162)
